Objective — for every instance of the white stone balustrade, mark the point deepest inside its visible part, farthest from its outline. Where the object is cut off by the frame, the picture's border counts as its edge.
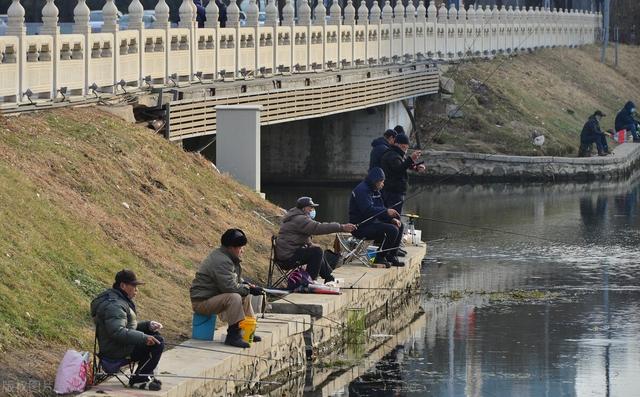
(117, 60)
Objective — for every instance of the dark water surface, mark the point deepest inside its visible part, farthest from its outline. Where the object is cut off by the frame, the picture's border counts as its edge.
(580, 336)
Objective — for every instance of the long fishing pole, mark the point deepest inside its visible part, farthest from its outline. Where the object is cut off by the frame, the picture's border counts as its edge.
(490, 229)
(201, 378)
(216, 351)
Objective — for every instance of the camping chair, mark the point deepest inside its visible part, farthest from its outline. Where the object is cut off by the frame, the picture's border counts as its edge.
(103, 368)
(276, 269)
(352, 249)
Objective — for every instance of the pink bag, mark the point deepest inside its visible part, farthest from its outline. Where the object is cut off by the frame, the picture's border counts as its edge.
(73, 372)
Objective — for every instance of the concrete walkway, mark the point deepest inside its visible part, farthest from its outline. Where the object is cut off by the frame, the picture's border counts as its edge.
(501, 168)
(306, 321)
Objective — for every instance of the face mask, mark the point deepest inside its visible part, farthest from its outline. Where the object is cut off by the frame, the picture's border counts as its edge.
(312, 214)
(633, 110)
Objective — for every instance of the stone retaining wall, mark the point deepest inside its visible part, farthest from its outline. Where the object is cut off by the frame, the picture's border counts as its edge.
(463, 167)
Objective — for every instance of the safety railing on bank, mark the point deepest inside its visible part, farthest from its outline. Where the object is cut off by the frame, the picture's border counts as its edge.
(53, 65)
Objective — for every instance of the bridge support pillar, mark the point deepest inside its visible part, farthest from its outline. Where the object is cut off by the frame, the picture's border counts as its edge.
(238, 143)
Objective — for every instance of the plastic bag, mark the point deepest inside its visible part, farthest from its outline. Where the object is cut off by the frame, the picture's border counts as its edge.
(73, 372)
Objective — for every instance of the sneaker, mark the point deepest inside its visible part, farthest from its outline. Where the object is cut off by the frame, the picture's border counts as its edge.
(152, 384)
(380, 260)
(257, 338)
(331, 284)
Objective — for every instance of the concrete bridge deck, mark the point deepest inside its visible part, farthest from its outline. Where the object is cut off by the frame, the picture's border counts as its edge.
(288, 331)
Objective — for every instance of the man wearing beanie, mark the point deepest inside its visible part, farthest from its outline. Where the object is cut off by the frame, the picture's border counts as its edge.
(121, 337)
(373, 220)
(395, 163)
(294, 247)
(218, 287)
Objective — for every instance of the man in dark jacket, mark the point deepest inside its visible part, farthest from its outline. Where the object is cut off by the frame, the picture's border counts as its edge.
(626, 121)
(294, 247)
(218, 287)
(395, 164)
(120, 335)
(373, 220)
(591, 133)
(379, 146)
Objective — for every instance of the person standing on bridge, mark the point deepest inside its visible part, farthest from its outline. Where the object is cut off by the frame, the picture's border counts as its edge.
(381, 145)
(395, 163)
(591, 133)
(218, 287)
(374, 221)
(626, 121)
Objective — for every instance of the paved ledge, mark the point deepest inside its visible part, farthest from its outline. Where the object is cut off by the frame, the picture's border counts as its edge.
(310, 321)
(283, 350)
(501, 168)
(363, 287)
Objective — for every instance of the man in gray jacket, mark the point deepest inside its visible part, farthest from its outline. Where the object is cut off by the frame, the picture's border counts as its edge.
(121, 336)
(294, 247)
(218, 287)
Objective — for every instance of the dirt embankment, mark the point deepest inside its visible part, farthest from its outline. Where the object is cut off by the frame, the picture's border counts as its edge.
(84, 195)
(550, 92)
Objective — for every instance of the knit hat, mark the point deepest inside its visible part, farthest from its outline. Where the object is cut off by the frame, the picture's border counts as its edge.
(402, 139)
(233, 238)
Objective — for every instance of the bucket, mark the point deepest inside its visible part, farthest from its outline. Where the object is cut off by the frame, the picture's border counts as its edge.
(621, 135)
(203, 327)
(248, 328)
(371, 252)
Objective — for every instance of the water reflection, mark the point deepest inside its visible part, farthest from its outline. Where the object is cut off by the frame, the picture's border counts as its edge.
(583, 342)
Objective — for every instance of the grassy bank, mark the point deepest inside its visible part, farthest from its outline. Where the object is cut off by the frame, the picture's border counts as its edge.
(551, 92)
(84, 195)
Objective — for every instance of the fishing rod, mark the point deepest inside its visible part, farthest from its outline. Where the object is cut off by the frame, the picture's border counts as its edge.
(490, 229)
(200, 378)
(216, 351)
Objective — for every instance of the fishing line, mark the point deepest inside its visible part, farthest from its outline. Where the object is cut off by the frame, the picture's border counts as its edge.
(217, 351)
(200, 377)
(490, 229)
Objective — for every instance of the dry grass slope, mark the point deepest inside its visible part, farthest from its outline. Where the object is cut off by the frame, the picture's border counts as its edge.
(84, 195)
(551, 91)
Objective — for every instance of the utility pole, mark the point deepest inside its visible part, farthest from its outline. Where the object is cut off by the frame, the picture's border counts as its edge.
(605, 29)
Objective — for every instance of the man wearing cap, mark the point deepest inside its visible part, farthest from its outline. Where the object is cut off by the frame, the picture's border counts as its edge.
(381, 145)
(121, 336)
(218, 287)
(374, 221)
(294, 247)
(395, 163)
(591, 133)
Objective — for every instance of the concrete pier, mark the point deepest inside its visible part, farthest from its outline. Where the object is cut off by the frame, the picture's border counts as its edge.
(306, 323)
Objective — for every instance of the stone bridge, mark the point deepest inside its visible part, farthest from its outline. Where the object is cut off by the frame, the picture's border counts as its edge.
(296, 66)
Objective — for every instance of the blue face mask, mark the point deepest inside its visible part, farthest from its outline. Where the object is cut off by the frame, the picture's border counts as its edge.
(312, 214)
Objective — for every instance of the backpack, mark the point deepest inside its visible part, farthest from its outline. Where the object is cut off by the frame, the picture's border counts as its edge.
(298, 280)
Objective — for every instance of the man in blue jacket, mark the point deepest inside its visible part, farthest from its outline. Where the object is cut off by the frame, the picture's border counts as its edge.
(626, 121)
(381, 145)
(373, 220)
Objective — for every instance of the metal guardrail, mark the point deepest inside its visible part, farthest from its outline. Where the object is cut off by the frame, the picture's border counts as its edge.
(195, 117)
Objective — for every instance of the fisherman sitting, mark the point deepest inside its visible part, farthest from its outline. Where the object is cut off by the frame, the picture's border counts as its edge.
(591, 133)
(121, 337)
(626, 121)
(294, 247)
(379, 146)
(218, 287)
(373, 220)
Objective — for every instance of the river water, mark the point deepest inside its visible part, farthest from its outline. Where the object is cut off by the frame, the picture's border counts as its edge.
(552, 313)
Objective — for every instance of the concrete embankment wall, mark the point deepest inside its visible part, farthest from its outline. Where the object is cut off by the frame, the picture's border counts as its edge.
(293, 328)
(464, 167)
